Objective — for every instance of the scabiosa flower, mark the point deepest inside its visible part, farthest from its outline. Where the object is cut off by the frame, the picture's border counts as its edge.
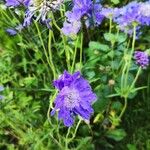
(97, 15)
(74, 98)
(141, 59)
(132, 13)
(71, 28)
(144, 11)
(85, 10)
(128, 14)
(1, 89)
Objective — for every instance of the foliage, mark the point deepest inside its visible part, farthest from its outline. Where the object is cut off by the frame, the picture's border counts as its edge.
(32, 59)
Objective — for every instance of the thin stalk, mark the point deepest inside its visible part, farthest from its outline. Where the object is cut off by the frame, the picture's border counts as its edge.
(122, 77)
(40, 37)
(136, 77)
(56, 141)
(110, 24)
(132, 50)
(51, 105)
(124, 108)
(74, 134)
(75, 53)
(67, 135)
(81, 50)
(50, 54)
(64, 41)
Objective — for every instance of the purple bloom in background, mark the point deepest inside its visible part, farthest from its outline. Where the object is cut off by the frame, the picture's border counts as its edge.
(15, 3)
(110, 12)
(85, 10)
(74, 98)
(141, 59)
(36, 9)
(97, 15)
(144, 11)
(131, 13)
(39, 11)
(71, 28)
(14, 31)
(128, 14)
(1, 89)
(11, 31)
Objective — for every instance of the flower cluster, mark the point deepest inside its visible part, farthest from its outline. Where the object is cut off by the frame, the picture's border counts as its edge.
(94, 13)
(83, 10)
(89, 12)
(35, 9)
(133, 13)
(1, 89)
(74, 98)
(141, 59)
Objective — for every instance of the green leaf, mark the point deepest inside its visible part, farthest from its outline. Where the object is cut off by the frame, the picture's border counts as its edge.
(117, 134)
(121, 37)
(115, 1)
(98, 46)
(110, 37)
(131, 147)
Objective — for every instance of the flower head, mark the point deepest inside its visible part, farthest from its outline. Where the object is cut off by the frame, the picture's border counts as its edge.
(141, 59)
(74, 98)
(39, 10)
(85, 10)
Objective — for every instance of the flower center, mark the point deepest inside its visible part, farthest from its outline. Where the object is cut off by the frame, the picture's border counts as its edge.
(72, 98)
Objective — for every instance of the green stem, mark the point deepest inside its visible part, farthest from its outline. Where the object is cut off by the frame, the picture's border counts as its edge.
(136, 77)
(51, 105)
(40, 37)
(110, 24)
(67, 142)
(81, 51)
(75, 53)
(74, 134)
(50, 54)
(67, 53)
(124, 108)
(122, 77)
(64, 41)
(132, 51)
(56, 141)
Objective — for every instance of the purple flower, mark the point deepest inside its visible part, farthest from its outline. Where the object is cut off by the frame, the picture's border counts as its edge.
(11, 31)
(141, 59)
(1, 89)
(109, 12)
(85, 10)
(15, 3)
(134, 12)
(127, 15)
(14, 31)
(39, 11)
(74, 98)
(144, 11)
(71, 28)
(97, 15)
